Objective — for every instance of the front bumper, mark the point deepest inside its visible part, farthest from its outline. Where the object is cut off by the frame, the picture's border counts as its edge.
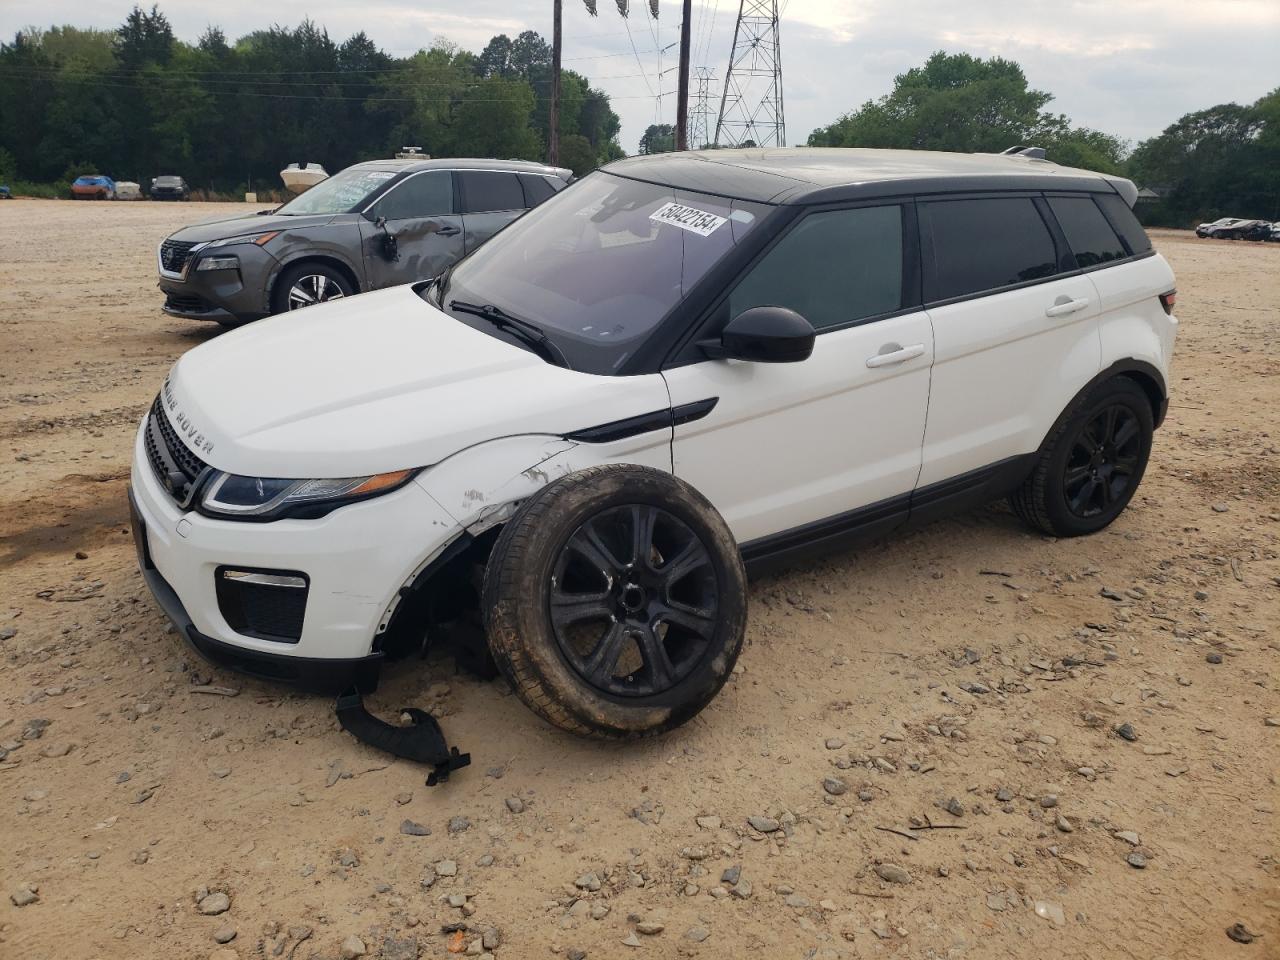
(224, 295)
(357, 559)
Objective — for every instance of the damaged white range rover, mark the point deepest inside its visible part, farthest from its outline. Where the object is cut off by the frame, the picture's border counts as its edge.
(677, 368)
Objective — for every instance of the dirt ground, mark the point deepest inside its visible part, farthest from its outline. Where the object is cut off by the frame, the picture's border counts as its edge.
(969, 676)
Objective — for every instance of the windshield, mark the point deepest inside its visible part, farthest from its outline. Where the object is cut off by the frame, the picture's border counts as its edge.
(600, 264)
(341, 193)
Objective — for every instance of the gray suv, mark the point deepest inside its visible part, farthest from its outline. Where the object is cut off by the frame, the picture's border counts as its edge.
(374, 225)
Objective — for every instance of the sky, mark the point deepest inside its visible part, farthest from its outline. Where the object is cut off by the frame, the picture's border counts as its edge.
(1127, 67)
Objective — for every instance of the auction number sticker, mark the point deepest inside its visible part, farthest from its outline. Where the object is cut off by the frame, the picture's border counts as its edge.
(687, 218)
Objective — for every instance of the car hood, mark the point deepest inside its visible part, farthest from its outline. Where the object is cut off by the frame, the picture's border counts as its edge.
(379, 382)
(219, 228)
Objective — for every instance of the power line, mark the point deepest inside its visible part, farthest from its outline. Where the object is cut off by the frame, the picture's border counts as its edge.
(637, 56)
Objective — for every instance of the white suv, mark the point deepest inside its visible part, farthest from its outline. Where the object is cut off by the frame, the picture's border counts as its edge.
(680, 367)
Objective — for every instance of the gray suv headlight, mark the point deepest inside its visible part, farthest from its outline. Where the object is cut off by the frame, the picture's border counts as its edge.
(218, 263)
(231, 496)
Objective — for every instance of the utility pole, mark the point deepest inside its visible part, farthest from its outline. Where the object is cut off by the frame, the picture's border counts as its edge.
(553, 136)
(682, 90)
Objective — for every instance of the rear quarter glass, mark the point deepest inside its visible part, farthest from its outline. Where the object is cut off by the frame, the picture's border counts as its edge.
(1125, 223)
(1089, 234)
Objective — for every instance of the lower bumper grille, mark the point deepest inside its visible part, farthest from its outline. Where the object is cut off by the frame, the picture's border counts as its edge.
(187, 303)
(267, 604)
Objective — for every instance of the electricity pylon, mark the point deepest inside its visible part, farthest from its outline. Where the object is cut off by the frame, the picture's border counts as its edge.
(700, 115)
(751, 104)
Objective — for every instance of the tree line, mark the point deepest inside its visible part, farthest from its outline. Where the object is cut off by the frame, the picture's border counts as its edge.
(1222, 161)
(137, 102)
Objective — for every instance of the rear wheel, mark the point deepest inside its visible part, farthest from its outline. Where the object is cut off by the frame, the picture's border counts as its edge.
(307, 284)
(1090, 466)
(615, 602)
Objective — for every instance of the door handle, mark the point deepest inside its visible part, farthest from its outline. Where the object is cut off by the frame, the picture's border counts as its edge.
(448, 230)
(891, 354)
(1065, 306)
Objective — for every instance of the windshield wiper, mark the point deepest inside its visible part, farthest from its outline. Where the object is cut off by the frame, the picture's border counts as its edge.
(522, 330)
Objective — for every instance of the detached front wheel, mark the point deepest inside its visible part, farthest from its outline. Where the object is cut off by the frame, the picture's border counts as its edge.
(615, 602)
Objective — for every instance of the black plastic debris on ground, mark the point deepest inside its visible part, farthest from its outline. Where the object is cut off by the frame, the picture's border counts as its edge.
(422, 741)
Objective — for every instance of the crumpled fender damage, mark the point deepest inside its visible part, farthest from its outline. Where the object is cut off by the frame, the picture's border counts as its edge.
(484, 485)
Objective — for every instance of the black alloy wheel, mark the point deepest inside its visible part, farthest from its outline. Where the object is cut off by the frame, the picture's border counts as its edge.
(614, 602)
(1103, 462)
(1089, 466)
(633, 600)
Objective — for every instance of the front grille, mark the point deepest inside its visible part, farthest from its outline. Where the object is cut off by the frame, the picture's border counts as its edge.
(176, 467)
(174, 255)
(266, 610)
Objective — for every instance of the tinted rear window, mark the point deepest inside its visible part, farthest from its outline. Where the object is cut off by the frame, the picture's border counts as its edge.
(985, 244)
(536, 188)
(483, 191)
(1088, 233)
(1125, 222)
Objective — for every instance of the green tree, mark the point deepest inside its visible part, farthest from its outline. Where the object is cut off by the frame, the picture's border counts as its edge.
(528, 52)
(492, 120)
(136, 102)
(495, 58)
(963, 103)
(658, 138)
(1221, 161)
(145, 37)
(577, 153)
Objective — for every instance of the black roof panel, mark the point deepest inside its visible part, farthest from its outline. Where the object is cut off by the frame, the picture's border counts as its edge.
(818, 175)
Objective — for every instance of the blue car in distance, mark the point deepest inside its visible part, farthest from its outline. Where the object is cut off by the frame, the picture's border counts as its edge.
(93, 187)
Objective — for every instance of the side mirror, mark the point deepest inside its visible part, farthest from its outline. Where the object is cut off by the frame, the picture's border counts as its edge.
(764, 335)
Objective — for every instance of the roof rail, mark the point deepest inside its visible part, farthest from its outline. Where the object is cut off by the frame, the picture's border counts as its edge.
(1031, 153)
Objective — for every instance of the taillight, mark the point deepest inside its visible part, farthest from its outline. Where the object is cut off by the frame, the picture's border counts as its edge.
(1169, 301)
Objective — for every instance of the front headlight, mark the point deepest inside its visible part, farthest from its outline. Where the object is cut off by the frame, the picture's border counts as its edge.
(218, 263)
(262, 498)
(257, 239)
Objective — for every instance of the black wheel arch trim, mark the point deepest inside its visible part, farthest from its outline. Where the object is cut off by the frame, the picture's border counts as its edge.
(1148, 377)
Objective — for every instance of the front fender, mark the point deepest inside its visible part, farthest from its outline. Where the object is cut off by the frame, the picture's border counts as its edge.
(330, 241)
(483, 485)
